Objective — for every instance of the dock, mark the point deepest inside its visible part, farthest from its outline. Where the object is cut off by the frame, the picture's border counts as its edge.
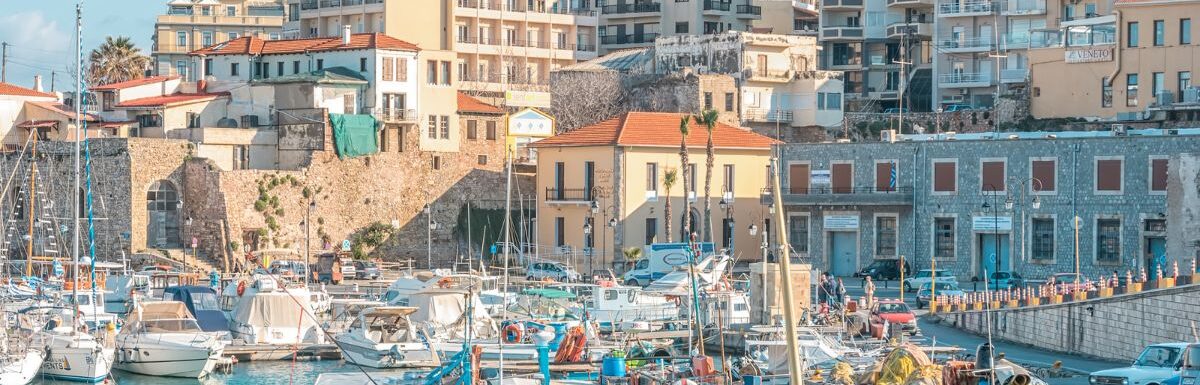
(264, 352)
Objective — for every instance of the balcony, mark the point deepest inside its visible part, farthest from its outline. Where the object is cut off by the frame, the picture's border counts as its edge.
(631, 10)
(841, 5)
(771, 76)
(977, 44)
(520, 6)
(644, 38)
(568, 196)
(965, 80)
(749, 11)
(717, 6)
(256, 21)
(388, 115)
(964, 8)
(1018, 75)
(921, 30)
(764, 115)
(1023, 7)
(864, 196)
(842, 33)
(910, 3)
(887, 94)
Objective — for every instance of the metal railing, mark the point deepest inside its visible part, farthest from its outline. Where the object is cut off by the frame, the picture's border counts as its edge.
(767, 115)
(1014, 75)
(965, 77)
(394, 115)
(828, 190)
(568, 194)
(521, 6)
(629, 38)
(717, 5)
(951, 8)
(975, 42)
(631, 8)
(749, 10)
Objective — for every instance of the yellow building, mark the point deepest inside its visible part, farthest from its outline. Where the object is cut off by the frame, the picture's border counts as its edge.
(610, 175)
(193, 24)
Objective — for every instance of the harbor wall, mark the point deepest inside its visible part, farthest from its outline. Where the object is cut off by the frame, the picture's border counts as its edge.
(1113, 328)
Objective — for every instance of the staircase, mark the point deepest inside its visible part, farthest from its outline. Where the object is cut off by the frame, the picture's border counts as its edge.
(180, 257)
(920, 90)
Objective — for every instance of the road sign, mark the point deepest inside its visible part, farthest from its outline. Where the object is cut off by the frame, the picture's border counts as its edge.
(346, 245)
(195, 242)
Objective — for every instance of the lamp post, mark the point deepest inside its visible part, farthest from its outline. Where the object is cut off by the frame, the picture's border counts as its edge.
(195, 254)
(312, 205)
(729, 226)
(429, 237)
(1036, 184)
(587, 231)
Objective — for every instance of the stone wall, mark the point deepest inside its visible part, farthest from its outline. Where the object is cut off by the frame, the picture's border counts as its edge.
(1114, 328)
(1183, 207)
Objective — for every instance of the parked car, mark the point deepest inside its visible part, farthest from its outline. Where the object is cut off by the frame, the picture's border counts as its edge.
(1005, 280)
(1067, 282)
(366, 270)
(333, 267)
(895, 110)
(883, 269)
(1190, 369)
(957, 108)
(1156, 364)
(926, 275)
(893, 312)
(948, 289)
(553, 270)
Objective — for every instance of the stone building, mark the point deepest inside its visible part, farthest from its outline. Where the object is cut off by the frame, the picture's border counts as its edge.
(189, 25)
(969, 198)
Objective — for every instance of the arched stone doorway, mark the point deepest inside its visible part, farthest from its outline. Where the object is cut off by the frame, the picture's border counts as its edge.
(162, 215)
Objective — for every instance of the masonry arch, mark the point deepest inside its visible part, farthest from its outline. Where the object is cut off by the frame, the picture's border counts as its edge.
(162, 215)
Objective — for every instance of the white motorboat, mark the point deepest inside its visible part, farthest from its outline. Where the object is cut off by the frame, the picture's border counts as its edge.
(91, 307)
(72, 353)
(485, 287)
(264, 314)
(19, 361)
(121, 289)
(384, 338)
(611, 305)
(163, 339)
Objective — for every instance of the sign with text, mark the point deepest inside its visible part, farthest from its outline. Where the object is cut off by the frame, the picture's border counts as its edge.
(841, 222)
(1088, 55)
(820, 177)
(527, 99)
(991, 223)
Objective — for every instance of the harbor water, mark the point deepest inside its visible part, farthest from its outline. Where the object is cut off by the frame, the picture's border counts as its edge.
(246, 373)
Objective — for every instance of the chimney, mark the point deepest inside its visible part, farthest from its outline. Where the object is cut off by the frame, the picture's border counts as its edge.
(201, 83)
(346, 34)
(37, 83)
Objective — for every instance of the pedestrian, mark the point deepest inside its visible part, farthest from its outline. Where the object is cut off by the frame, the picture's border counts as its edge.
(841, 293)
(822, 297)
(869, 289)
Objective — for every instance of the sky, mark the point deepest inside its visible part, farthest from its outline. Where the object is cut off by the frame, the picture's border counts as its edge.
(41, 34)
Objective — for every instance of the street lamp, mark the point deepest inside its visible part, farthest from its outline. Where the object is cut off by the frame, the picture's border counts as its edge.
(428, 236)
(587, 240)
(312, 205)
(729, 226)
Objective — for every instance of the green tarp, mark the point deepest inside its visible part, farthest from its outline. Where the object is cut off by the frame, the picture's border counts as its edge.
(550, 293)
(354, 135)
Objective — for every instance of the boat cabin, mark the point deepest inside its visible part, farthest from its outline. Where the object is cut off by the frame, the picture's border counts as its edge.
(388, 324)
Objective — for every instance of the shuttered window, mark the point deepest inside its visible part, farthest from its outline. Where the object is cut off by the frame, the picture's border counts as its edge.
(843, 178)
(1044, 172)
(1158, 175)
(1108, 175)
(883, 177)
(798, 175)
(945, 177)
(991, 176)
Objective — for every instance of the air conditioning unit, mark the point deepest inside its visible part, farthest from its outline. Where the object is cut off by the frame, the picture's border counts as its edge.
(887, 136)
(249, 121)
(1164, 98)
(1119, 129)
(1191, 95)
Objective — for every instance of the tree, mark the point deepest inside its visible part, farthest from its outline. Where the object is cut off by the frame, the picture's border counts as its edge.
(709, 118)
(116, 60)
(684, 123)
(669, 179)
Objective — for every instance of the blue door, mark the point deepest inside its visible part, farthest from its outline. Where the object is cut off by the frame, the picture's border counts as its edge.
(1157, 247)
(990, 250)
(843, 251)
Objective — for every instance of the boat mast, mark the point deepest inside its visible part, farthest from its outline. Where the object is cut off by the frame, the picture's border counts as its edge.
(507, 243)
(29, 201)
(78, 139)
(785, 258)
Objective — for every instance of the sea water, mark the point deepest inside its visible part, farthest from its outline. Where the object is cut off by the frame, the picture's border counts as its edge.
(283, 372)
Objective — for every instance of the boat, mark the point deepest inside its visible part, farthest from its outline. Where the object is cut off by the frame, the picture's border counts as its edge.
(163, 339)
(274, 320)
(202, 303)
(121, 288)
(71, 353)
(384, 338)
(614, 307)
(486, 288)
(90, 304)
(19, 360)
(709, 272)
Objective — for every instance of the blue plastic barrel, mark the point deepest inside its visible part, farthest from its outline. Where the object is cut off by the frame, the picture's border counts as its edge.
(613, 367)
(751, 380)
(560, 332)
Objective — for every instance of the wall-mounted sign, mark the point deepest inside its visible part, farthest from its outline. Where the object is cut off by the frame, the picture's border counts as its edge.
(530, 122)
(820, 177)
(527, 99)
(841, 222)
(991, 223)
(1088, 55)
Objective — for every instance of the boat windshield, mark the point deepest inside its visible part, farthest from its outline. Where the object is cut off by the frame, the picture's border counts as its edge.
(205, 302)
(170, 326)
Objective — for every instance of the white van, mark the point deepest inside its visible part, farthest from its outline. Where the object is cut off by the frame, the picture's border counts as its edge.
(659, 259)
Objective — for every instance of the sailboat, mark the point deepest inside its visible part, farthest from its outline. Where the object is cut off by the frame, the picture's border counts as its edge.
(19, 361)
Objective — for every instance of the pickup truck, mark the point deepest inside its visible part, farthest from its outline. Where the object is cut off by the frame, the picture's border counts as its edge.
(1156, 364)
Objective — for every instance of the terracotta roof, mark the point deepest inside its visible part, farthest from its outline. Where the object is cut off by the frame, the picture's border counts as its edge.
(655, 129)
(168, 100)
(250, 45)
(133, 83)
(14, 90)
(38, 124)
(468, 104)
(64, 110)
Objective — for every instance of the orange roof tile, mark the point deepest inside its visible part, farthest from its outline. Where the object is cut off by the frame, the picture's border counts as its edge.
(655, 129)
(250, 45)
(168, 100)
(14, 90)
(64, 110)
(468, 104)
(133, 83)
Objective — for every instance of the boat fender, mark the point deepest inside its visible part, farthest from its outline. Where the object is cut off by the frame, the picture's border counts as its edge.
(241, 289)
(445, 283)
(513, 333)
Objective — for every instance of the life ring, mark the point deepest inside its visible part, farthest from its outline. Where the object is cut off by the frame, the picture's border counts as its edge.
(241, 288)
(445, 283)
(513, 333)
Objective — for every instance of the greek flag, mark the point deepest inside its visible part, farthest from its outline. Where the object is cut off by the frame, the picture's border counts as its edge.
(892, 179)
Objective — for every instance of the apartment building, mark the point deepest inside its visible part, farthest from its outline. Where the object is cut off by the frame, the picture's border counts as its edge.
(636, 23)
(884, 48)
(787, 17)
(193, 24)
(500, 44)
(983, 46)
(1133, 64)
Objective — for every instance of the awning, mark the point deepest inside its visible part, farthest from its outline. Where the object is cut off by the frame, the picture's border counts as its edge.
(354, 135)
(38, 124)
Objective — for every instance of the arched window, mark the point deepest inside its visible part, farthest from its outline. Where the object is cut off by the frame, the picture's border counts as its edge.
(162, 209)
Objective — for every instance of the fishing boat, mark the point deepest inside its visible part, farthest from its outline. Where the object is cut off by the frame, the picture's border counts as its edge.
(71, 353)
(623, 307)
(384, 338)
(163, 339)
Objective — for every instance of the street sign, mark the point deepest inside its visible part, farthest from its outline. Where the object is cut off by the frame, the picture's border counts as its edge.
(840, 222)
(820, 177)
(346, 245)
(195, 242)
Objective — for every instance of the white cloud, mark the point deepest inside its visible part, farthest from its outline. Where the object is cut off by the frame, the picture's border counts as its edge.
(37, 44)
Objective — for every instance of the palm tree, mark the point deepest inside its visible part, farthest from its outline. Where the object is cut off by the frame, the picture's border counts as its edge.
(669, 179)
(709, 118)
(683, 160)
(116, 60)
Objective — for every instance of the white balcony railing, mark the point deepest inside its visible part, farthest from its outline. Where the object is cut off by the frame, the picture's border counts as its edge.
(1016, 75)
(965, 78)
(973, 43)
(966, 7)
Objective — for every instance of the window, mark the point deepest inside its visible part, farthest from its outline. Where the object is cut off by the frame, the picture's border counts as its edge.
(362, 64)
(431, 72)
(206, 38)
(651, 231)
(1044, 174)
(991, 176)
(560, 236)
(589, 179)
(1108, 175)
(885, 236)
(472, 129)
(231, 10)
(708, 101)
(233, 69)
(1155, 225)
(401, 70)
(193, 120)
(728, 101)
(681, 27)
(491, 130)
(1131, 90)
(651, 177)
(943, 238)
(386, 73)
(295, 67)
(1185, 82)
(205, 11)
(560, 171)
(233, 35)
(1108, 240)
(842, 178)
(1185, 31)
(729, 181)
(266, 70)
(483, 160)
(437, 162)
(1041, 239)
(1158, 174)
(945, 177)
(1158, 83)
(798, 233)
(885, 176)
(1105, 93)
(320, 64)
(798, 178)
(1089, 10)
(1131, 34)
(445, 73)
(207, 67)
(1160, 33)
(279, 68)
(445, 127)
(181, 39)
(433, 126)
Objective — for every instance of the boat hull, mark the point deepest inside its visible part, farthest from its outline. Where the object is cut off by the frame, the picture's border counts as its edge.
(168, 361)
(84, 363)
(384, 356)
(23, 371)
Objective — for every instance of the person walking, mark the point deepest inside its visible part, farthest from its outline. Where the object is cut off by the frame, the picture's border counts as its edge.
(869, 289)
(822, 295)
(841, 294)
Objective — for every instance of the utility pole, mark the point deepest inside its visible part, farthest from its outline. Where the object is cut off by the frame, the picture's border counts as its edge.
(4, 62)
(52, 73)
